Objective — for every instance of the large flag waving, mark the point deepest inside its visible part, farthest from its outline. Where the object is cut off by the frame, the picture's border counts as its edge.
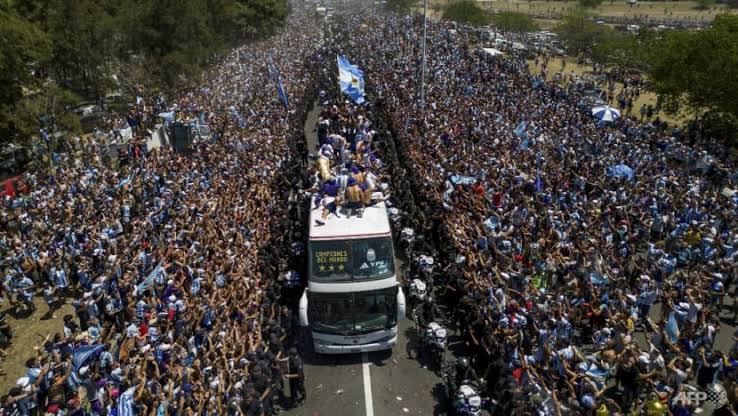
(281, 93)
(351, 80)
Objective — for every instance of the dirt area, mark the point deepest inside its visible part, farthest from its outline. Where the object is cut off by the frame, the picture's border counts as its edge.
(27, 333)
(680, 10)
(546, 24)
(556, 64)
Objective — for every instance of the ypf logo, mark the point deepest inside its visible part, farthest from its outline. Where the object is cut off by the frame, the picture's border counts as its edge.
(691, 398)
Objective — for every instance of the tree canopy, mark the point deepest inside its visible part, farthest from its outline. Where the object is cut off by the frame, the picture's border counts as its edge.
(514, 22)
(580, 32)
(467, 12)
(73, 48)
(400, 6)
(589, 4)
(705, 80)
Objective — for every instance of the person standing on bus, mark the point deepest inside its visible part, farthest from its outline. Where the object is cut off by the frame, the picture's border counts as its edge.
(354, 197)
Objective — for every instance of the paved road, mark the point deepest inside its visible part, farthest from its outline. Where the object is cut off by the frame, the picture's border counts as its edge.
(380, 383)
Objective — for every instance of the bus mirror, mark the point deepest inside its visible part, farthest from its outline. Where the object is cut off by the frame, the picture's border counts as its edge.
(400, 304)
(303, 309)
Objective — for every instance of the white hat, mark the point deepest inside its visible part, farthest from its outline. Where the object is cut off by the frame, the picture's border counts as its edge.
(23, 382)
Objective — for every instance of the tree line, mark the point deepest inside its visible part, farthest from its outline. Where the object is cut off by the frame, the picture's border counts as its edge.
(57, 53)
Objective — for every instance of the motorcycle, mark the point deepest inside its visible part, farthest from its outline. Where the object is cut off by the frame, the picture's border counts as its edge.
(467, 401)
(425, 264)
(464, 397)
(417, 291)
(435, 341)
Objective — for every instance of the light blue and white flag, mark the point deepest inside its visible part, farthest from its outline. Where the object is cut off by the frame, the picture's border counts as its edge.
(351, 80)
(520, 130)
(281, 93)
(82, 353)
(672, 328)
(125, 402)
(149, 280)
(168, 116)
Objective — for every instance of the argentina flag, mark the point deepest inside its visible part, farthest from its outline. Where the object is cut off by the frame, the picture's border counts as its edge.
(351, 80)
(281, 93)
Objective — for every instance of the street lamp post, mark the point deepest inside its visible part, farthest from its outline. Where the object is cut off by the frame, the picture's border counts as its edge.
(422, 73)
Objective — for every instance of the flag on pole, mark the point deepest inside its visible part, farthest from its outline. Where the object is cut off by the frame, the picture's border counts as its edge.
(149, 280)
(168, 116)
(45, 136)
(520, 130)
(274, 74)
(672, 328)
(82, 353)
(282, 94)
(351, 80)
(539, 182)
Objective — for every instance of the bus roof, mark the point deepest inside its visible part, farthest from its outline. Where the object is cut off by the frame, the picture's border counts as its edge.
(374, 222)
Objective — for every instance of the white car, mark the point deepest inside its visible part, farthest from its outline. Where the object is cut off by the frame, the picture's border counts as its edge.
(87, 110)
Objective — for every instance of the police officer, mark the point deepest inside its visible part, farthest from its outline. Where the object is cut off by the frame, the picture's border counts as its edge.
(250, 404)
(296, 377)
(429, 312)
(262, 386)
(462, 372)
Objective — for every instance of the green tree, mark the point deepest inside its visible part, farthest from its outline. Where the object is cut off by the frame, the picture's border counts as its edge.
(82, 34)
(23, 47)
(467, 12)
(589, 4)
(514, 22)
(172, 38)
(704, 4)
(400, 6)
(580, 33)
(257, 18)
(49, 107)
(54, 50)
(695, 69)
(618, 49)
(175, 38)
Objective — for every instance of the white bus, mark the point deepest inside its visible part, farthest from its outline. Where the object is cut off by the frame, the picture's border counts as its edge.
(353, 299)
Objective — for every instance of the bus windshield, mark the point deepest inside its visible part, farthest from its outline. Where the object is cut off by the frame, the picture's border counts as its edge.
(340, 260)
(353, 313)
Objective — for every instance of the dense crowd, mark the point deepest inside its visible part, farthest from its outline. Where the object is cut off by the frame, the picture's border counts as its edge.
(584, 262)
(175, 262)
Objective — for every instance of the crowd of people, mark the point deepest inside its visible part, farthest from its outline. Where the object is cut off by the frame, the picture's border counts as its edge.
(585, 263)
(174, 262)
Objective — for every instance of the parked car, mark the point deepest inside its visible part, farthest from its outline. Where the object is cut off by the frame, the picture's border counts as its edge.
(87, 110)
(14, 158)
